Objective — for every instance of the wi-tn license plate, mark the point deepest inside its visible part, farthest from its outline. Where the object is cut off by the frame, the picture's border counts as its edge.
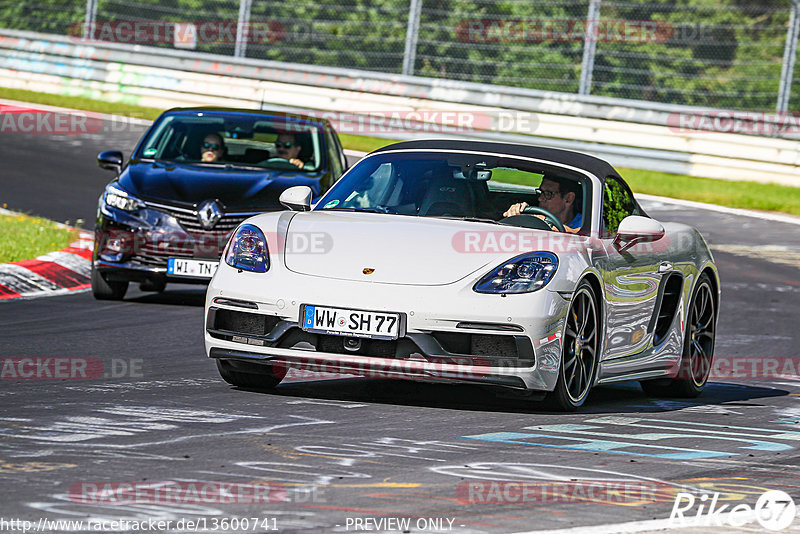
(194, 268)
(346, 322)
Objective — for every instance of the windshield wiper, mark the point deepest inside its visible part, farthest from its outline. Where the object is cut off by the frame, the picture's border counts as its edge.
(367, 210)
(471, 219)
(248, 167)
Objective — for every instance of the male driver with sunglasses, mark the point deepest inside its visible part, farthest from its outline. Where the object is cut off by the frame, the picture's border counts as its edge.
(287, 147)
(212, 149)
(557, 196)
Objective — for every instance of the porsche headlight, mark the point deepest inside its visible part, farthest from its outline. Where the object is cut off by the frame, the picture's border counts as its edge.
(248, 250)
(120, 199)
(523, 274)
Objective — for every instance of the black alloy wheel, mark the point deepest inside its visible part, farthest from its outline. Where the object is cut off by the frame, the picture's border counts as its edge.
(579, 351)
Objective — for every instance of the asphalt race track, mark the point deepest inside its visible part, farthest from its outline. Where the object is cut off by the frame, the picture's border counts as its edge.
(329, 454)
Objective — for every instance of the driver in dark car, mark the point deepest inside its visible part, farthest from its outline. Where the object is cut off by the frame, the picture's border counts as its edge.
(557, 196)
(287, 147)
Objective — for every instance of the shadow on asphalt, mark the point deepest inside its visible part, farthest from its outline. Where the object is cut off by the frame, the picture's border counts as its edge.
(623, 398)
(182, 295)
(618, 398)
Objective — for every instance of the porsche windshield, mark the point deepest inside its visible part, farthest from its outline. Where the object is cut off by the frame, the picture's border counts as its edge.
(446, 185)
(208, 138)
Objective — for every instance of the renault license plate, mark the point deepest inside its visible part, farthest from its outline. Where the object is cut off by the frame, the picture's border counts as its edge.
(193, 268)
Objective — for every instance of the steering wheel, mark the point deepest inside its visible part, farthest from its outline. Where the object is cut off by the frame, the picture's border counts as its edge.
(281, 163)
(549, 218)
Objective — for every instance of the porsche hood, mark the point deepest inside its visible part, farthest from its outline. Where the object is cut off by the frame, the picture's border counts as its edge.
(397, 249)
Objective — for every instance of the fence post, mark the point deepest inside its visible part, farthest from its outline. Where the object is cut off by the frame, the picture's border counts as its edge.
(412, 32)
(589, 48)
(789, 54)
(242, 28)
(90, 18)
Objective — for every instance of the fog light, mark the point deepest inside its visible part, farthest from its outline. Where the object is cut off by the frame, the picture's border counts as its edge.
(114, 244)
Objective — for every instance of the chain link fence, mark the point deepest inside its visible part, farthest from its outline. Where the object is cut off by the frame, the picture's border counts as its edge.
(732, 54)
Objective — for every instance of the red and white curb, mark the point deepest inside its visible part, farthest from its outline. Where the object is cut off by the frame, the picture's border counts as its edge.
(65, 271)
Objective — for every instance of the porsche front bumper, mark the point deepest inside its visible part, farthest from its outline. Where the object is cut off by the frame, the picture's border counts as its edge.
(450, 334)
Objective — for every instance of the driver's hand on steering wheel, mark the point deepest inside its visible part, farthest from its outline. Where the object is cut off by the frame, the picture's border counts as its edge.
(515, 209)
(297, 162)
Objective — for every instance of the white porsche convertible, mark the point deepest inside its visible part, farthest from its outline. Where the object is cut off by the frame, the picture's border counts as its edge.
(526, 268)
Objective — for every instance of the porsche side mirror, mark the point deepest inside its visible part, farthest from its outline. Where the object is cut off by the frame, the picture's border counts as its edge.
(110, 160)
(637, 229)
(297, 198)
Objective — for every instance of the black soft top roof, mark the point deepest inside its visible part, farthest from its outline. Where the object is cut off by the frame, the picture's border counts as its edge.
(596, 166)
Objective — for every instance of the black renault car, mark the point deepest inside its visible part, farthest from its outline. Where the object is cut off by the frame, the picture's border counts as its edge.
(192, 178)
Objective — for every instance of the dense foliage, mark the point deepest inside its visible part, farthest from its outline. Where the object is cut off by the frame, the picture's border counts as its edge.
(716, 53)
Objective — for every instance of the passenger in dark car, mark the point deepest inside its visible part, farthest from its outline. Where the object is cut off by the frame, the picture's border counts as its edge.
(212, 149)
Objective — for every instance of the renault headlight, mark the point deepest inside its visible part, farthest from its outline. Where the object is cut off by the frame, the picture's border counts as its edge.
(115, 197)
(523, 274)
(248, 250)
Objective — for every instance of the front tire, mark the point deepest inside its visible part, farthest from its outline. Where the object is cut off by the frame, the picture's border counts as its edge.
(579, 351)
(698, 347)
(103, 290)
(252, 376)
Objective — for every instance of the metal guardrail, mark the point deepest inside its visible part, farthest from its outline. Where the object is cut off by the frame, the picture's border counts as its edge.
(628, 133)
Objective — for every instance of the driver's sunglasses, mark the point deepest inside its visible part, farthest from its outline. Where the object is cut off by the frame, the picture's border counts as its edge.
(548, 195)
(212, 146)
(287, 144)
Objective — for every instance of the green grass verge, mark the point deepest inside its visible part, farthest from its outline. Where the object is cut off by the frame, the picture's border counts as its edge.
(79, 102)
(734, 194)
(24, 237)
(364, 143)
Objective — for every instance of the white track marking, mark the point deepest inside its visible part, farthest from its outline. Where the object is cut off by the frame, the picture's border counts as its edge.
(766, 216)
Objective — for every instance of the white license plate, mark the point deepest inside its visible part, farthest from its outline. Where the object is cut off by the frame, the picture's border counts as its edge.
(195, 268)
(345, 322)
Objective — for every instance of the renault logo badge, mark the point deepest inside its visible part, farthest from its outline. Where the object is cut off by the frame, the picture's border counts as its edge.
(209, 214)
(368, 270)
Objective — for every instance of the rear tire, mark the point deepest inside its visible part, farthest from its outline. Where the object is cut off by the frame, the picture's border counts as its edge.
(579, 351)
(698, 348)
(253, 376)
(103, 290)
